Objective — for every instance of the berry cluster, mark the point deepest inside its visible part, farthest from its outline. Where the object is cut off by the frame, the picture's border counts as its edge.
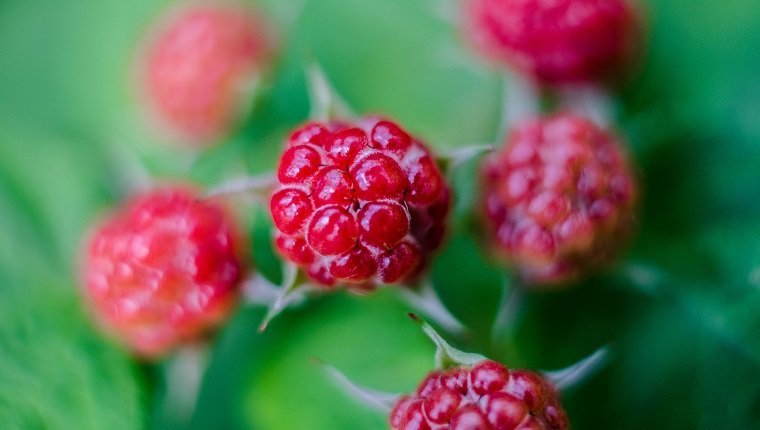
(197, 67)
(359, 204)
(487, 396)
(556, 41)
(559, 197)
(363, 203)
(163, 270)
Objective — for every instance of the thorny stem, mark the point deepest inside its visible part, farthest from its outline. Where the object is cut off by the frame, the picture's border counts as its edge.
(378, 400)
(258, 290)
(184, 374)
(521, 101)
(292, 291)
(446, 355)
(426, 300)
(508, 311)
(131, 174)
(458, 156)
(258, 186)
(574, 374)
(326, 104)
(591, 102)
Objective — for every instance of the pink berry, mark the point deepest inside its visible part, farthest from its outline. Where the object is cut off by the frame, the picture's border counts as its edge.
(383, 224)
(356, 266)
(486, 396)
(431, 383)
(398, 413)
(505, 411)
(197, 64)
(332, 231)
(378, 176)
(469, 418)
(441, 405)
(456, 379)
(299, 164)
(573, 203)
(311, 133)
(163, 270)
(377, 203)
(346, 145)
(556, 41)
(295, 248)
(332, 186)
(390, 137)
(290, 208)
(487, 377)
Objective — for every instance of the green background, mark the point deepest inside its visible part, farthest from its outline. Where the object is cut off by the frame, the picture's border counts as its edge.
(681, 311)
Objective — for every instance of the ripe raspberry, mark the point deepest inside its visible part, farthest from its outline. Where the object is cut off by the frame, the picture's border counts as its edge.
(486, 396)
(163, 270)
(559, 197)
(198, 64)
(556, 41)
(358, 204)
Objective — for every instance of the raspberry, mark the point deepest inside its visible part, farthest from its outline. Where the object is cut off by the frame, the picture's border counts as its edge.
(163, 270)
(198, 64)
(358, 204)
(559, 197)
(556, 41)
(486, 396)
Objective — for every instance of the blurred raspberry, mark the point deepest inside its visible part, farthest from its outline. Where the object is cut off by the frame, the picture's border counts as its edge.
(556, 41)
(358, 204)
(486, 396)
(559, 198)
(163, 270)
(198, 65)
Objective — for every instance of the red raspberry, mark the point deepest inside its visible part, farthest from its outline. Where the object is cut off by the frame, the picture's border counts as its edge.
(486, 396)
(198, 65)
(358, 204)
(559, 197)
(163, 270)
(556, 41)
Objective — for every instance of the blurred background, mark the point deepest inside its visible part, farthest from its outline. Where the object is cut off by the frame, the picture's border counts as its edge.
(681, 311)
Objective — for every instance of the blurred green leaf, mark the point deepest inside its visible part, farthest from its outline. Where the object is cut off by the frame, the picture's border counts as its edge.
(56, 373)
(684, 354)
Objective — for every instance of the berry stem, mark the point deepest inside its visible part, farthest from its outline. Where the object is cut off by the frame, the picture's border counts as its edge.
(574, 374)
(445, 10)
(458, 156)
(646, 279)
(446, 355)
(257, 290)
(184, 374)
(292, 291)
(326, 104)
(520, 102)
(508, 311)
(130, 173)
(588, 101)
(259, 186)
(426, 300)
(378, 400)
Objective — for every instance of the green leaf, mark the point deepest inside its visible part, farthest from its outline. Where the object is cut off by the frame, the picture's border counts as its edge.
(52, 188)
(58, 374)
